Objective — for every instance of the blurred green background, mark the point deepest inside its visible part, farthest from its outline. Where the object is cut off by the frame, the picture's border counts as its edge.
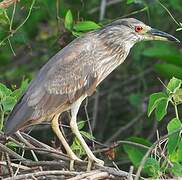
(117, 110)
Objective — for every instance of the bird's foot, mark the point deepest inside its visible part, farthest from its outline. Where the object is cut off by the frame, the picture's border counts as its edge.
(95, 161)
(72, 161)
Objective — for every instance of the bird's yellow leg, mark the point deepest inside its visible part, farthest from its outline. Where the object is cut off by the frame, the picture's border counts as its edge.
(74, 127)
(56, 129)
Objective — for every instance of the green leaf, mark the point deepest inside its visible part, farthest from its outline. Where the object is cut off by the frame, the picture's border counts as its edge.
(179, 151)
(16, 93)
(77, 147)
(4, 19)
(169, 70)
(161, 108)
(19, 92)
(177, 169)
(87, 135)
(177, 97)
(85, 26)
(68, 22)
(152, 167)
(12, 145)
(8, 103)
(154, 99)
(136, 154)
(4, 91)
(130, 1)
(2, 10)
(81, 124)
(174, 139)
(173, 85)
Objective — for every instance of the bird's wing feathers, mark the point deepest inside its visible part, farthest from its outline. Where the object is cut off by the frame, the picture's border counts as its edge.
(69, 78)
(68, 75)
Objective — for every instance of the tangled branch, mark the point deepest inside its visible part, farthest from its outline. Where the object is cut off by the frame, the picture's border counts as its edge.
(57, 167)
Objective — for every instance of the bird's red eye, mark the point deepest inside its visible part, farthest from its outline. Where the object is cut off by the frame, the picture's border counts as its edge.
(138, 28)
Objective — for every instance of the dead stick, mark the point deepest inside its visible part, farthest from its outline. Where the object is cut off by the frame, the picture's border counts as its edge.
(43, 173)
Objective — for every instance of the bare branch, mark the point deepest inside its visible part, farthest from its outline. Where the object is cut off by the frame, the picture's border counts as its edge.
(43, 173)
(3, 163)
(102, 9)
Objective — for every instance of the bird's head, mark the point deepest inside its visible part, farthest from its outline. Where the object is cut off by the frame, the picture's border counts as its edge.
(128, 31)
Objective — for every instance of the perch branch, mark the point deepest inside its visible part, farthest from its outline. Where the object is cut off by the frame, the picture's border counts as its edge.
(43, 173)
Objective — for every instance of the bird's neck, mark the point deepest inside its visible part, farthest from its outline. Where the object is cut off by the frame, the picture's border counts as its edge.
(112, 55)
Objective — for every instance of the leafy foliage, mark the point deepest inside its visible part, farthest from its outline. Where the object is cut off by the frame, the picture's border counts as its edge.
(159, 101)
(154, 166)
(79, 27)
(136, 153)
(8, 99)
(174, 139)
(68, 22)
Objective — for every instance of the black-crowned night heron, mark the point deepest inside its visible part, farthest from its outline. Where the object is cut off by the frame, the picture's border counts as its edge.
(74, 73)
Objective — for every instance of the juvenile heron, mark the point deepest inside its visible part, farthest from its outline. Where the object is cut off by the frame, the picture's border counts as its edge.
(74, 73)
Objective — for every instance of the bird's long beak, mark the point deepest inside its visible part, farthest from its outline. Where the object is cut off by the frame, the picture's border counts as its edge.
(163, 36)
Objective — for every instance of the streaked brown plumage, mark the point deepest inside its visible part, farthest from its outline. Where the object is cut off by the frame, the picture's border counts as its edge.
(74, 73)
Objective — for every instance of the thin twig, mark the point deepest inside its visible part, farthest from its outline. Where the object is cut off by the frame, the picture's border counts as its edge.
(28, 144)
(19, 165)
(57, 16)
(10, 152)
(25, 20)
(88, 120)
(95, 110)
(12, 17)
(52, 152)
(116, 144)
(102, 9)
(124, 128)
(135, 12)
(11, 47)
(169, 13)
(8, 162)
